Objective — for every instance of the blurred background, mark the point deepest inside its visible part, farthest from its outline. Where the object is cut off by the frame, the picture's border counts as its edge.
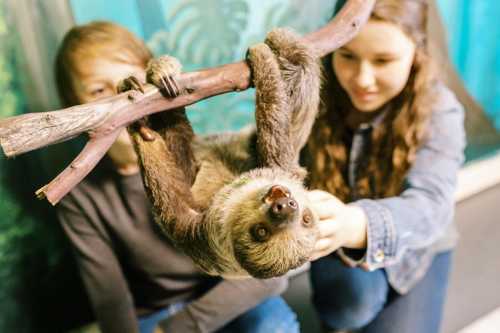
(39, 287)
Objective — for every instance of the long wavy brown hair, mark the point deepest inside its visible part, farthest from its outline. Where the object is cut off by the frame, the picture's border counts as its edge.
(395, 141)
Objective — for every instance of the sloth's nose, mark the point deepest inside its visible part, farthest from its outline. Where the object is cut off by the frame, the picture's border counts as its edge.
(283, 210)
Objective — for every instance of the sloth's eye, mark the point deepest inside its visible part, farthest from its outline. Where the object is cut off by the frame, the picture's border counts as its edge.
(307, 218)
(260, 232)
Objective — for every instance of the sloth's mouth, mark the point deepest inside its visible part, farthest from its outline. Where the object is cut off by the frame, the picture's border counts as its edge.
(276, 192)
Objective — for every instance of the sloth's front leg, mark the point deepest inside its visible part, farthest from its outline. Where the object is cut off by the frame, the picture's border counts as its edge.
(171, 125)
(133, 83)
(167, 161)
(160, 72)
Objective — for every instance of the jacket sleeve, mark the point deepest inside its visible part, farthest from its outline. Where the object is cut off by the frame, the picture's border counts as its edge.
(99, 268)
(223, 303)
(421, 213)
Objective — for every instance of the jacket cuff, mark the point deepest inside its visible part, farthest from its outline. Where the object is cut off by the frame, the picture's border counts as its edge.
(351, 258)
(381, 238)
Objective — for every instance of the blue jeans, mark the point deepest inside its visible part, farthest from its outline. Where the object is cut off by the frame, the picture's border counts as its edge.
(351, 298)
(271, 316)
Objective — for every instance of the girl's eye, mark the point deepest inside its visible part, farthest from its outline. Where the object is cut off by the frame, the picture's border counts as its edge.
(97, 92)
(382, 61)
(347, 56)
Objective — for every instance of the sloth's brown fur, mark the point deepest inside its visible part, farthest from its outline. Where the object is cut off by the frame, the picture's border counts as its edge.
(208, 193)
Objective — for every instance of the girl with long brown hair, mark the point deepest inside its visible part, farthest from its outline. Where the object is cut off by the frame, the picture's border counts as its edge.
(389, 142)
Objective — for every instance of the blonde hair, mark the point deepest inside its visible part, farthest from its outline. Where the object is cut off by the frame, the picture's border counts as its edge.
(94, 40)
(395, 141)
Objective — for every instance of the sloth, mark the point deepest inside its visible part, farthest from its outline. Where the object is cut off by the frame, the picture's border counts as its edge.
(235, 202)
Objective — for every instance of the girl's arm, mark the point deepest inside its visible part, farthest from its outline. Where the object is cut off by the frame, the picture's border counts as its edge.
(100, 270)
(221, 304)
(422, 212)
(416, 218)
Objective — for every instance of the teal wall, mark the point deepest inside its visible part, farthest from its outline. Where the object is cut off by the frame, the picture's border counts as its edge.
(16, 227)
(474, 37)
(38, 279)
(211, 32)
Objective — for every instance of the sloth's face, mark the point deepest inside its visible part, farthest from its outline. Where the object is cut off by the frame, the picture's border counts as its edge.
(273, 229)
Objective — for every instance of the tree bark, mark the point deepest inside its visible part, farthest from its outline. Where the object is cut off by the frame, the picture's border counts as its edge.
(104, 119)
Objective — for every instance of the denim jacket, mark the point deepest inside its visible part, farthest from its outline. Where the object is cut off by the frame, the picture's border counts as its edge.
(406, 232)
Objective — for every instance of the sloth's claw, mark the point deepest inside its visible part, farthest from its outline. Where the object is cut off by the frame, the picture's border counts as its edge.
(169, 84)
(136, 84)
(173, 86)
(166, 88)
(133, 83)
(162, 72)
(146, 133)
(130, 83)
(176, 86)
(141, 127)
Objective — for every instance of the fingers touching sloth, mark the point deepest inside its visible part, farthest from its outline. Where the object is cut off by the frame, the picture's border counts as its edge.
(235, 203)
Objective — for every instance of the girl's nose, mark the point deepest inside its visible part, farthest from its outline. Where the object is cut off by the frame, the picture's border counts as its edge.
(365, 77)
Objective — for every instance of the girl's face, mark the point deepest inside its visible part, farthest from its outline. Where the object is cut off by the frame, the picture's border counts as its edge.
(99, 79)
(374, 67)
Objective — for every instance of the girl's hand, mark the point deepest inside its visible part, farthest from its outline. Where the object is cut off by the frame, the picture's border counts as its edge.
(340, 225)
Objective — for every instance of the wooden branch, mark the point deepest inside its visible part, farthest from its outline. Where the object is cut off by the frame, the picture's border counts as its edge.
(91, 154)
(104, 119)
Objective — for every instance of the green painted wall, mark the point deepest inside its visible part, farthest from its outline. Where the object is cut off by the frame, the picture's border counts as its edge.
(38, 282)
(206, 34)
